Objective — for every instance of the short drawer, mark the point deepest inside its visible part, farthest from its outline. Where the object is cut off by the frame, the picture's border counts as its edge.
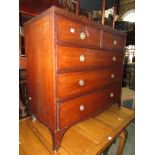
(77, 33)
(70, 58)
(112, 42)
(77, 109)
(76, 83)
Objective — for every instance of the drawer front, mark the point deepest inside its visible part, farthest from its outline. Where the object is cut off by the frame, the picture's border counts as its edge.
(73, 32)
(73, 111)
(70, 58)
(113, 42)
(76, 83)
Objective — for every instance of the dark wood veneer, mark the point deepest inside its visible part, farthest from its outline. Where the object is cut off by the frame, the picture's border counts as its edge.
(40, 70)
(69, 58)
(56, 62)
(68, 83)
(70, 112)
(69, 31)
(109, 43)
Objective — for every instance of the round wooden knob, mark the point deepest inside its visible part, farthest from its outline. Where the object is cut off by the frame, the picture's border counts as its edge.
(82, 107)
(82, 35)
(82, 58)
(111, 95)
(81, 82)
(115, 42)
(114, 58)
(112, 76)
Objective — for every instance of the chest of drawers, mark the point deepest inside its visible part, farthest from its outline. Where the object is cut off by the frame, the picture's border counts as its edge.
(74, 69)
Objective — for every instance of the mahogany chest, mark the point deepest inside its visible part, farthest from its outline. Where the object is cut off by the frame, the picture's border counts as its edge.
(74, 69)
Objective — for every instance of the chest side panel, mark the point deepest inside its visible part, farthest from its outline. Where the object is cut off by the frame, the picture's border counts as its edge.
(39, 43)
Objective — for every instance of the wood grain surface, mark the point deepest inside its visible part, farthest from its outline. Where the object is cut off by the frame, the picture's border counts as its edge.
(69, 84)
(70, 31)
(80, 108)
(60, 71)
(69, 58)
(41, 70)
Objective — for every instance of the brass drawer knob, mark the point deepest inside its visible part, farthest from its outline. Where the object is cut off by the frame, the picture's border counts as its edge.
(114, 58)
(82, 35)
(30, 98)
(111, 95)
(82, 58)
(82, 107)
(81, 82)
(112, 76)
(115, 42)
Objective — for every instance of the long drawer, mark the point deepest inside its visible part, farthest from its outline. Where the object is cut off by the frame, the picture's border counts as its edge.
(79, 108)
(77, 33)
(76, 83)
(112, 42)
(70, 58)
